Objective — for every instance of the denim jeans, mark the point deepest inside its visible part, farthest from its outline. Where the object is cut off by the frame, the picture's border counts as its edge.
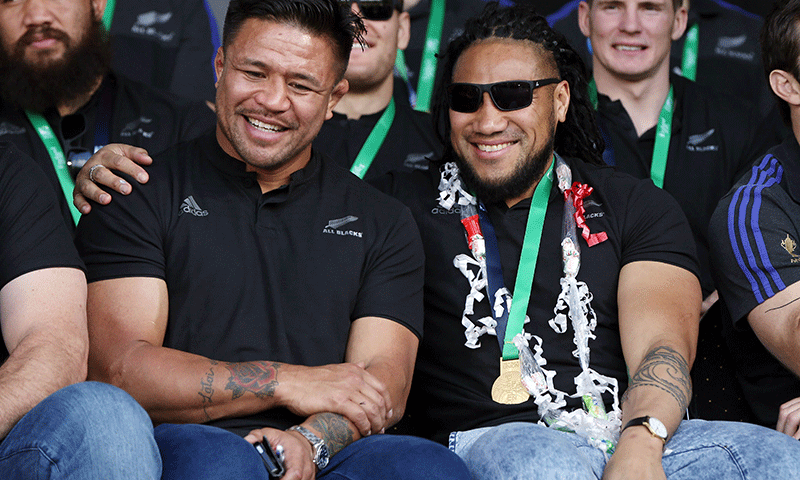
(699, 450)
(200, 452)
(87, 431)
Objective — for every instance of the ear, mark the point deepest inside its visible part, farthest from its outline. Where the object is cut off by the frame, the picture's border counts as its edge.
(403, 31)
(98, 9)
(583, 19)
(561, 100)
(219, 64)
(785, 86)
(338, 92)
(679, 23)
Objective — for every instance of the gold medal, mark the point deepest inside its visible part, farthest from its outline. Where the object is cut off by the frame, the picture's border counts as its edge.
(508, 388)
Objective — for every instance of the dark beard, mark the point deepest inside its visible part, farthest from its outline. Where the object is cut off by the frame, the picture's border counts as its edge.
(39, 87)
(511, 187)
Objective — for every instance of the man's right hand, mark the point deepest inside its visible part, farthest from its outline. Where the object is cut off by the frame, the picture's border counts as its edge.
(345, 388)
(298, 451)
(114, 156)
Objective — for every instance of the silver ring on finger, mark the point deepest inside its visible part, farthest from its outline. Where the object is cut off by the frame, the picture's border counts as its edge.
(91, 172)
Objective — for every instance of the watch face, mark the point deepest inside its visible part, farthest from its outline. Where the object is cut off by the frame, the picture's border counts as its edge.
(658, 427)
(322, 457)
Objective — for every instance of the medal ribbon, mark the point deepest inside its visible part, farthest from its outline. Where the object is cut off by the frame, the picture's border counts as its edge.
(658, 164)
(374, 141)
(691, 48)
(56, 153)
(513, 321)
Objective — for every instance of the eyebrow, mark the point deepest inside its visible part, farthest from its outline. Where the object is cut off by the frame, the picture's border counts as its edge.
(298, 75)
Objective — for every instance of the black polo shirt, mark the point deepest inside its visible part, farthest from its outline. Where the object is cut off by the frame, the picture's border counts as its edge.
(409, 143)
(452, 383)
(32, 235)
(754, 235)
(729, 55)
(714, 140)
(140, 116)
(169, 45)
(277, 276)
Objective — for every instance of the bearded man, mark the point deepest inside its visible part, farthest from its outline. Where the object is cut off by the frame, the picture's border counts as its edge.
(60, 100)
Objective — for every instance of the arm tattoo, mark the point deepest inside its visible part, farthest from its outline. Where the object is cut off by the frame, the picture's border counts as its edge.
(207, 388)
(666, 369)
(261, 378)
(335, 431)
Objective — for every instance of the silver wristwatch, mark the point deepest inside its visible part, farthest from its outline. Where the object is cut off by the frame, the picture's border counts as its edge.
(321, 453)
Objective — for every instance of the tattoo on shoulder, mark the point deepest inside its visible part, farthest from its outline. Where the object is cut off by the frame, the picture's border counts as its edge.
(207, 388)
(334, 429)
(666, 369)
(260, 378)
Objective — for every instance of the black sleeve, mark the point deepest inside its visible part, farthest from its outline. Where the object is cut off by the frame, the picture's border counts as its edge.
(32, 232)
(753, 247)
(392, 282)
(124, 238)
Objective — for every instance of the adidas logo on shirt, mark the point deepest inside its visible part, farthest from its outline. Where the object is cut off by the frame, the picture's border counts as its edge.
(190, 206)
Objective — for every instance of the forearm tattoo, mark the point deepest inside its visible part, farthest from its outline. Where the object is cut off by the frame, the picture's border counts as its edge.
(260, 378)
(335, 430)
(666, 369)
(207, 388)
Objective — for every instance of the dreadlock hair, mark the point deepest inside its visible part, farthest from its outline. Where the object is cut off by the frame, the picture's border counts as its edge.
(578, 136)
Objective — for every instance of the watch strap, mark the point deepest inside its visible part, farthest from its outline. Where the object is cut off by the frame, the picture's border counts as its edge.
(645, 422)
(321, 455)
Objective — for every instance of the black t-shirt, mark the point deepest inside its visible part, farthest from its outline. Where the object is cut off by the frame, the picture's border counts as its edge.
(714, 140)
(277, 276)
(140, 116)
(409, 143)
(729, 55)
(452, 383)
(32, 235)
(169, 45)
(754, 235)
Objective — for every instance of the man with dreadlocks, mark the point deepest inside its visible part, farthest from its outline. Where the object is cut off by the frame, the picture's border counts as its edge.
(601, 268)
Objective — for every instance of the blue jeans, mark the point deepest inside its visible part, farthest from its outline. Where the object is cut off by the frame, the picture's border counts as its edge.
(200, 452)
(86, 431)
(699, 450)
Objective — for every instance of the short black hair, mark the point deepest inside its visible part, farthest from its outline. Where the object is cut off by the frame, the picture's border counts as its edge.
(578, 136)
(325, 18)
(780, 45)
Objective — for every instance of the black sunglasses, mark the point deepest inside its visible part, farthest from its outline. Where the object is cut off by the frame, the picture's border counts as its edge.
(373, 9)
(506, 96)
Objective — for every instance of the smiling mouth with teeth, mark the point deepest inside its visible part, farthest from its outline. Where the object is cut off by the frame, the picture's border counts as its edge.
(492, 148)
(263, 126)
(629, 48)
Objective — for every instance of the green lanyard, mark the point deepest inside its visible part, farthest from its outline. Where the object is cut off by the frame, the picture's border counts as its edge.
(427, 74)
(374, 141)
(690, 53)
(108, 14)
(527, 263)
(658, 164)
(56, 153)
